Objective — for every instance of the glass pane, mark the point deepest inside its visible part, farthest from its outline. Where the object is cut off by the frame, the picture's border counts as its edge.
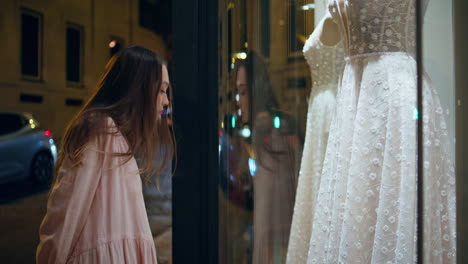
(10, 123)
(264, 93)
(439, 106)
(319, 139)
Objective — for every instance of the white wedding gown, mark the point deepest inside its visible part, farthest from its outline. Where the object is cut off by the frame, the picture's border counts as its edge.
(326, 66)
(366, 206)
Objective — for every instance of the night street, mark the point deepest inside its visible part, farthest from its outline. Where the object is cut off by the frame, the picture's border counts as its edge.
(22, 207)
(233, 131)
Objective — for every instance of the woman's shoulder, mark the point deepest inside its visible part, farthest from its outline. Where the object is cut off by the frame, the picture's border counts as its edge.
(107, 130)
(100, 120)
(110, 125)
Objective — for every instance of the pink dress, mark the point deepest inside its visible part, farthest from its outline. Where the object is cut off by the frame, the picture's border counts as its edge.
(96, 212)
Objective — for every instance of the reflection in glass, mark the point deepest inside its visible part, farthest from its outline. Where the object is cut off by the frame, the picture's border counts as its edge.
(274, 149)
(323, 51)
(262, 99)
(356, 196)
(301, 21)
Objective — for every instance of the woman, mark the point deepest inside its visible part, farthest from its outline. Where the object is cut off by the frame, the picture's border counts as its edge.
(95, 212)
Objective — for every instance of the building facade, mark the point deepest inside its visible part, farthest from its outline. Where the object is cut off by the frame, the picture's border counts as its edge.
(53, 52)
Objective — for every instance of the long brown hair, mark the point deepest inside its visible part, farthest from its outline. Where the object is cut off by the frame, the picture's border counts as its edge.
(127, 92)
(262, 99)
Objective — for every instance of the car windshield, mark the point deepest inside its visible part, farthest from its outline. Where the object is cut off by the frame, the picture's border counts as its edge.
(10, 123)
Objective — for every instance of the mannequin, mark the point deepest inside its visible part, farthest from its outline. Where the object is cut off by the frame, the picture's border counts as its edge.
(330, 34)
(365, 209)
(324, 53)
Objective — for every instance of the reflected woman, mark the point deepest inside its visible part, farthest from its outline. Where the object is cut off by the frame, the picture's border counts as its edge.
(273, 162)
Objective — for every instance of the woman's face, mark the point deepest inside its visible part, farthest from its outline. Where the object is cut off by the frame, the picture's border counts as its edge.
(243, 90)
(162, 99)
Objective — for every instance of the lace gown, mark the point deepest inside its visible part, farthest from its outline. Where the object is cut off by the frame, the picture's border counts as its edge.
(366, 205)
(326, 65)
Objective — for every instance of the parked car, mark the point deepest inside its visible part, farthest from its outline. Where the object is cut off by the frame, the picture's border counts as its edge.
(27, 151)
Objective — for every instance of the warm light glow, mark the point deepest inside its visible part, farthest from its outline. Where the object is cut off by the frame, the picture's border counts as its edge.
(240, 55)
(31, 121)
(222, 124)
(112, 44)
(33, 126)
